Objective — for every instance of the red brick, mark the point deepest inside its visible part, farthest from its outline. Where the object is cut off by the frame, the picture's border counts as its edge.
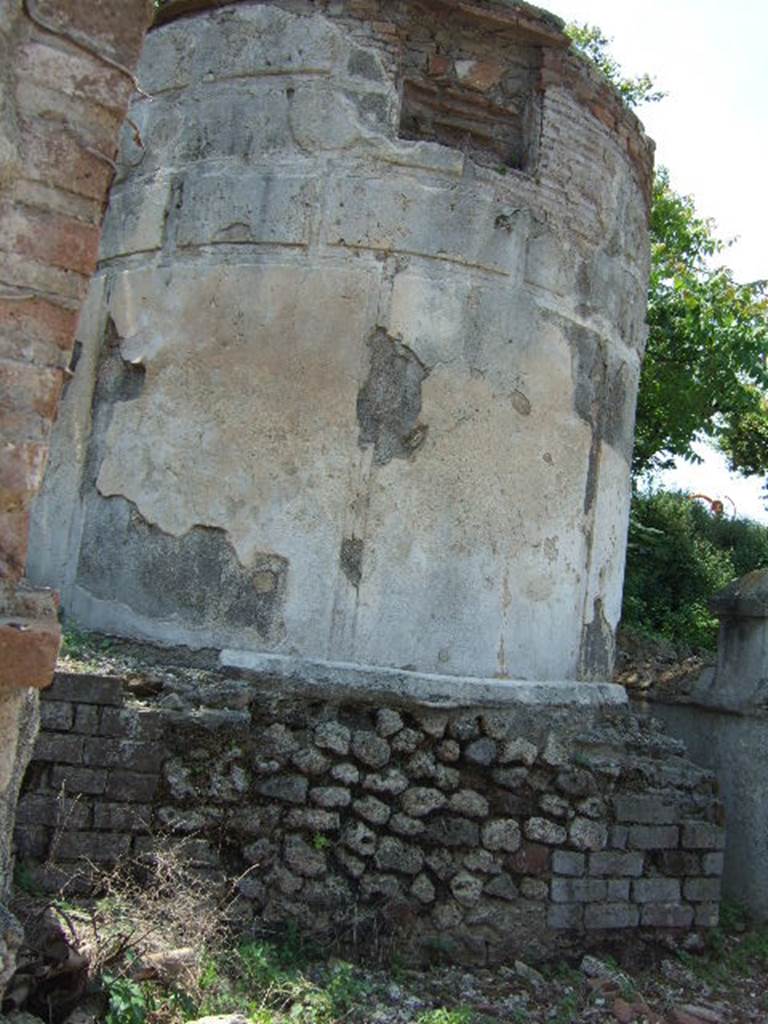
(530, 859)
(480, 75)
(25, 273)
(76, 74)
(50, 238)
(28, 388)
(114, 27)
(54, 156)
(21, 472)
(28, 651)
(439, 66)
(40, 320)
(14, 530)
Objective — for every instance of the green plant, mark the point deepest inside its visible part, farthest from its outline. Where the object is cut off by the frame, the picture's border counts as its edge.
(129, 1002)
(83, 646)
(459, 1015)
(320, 842)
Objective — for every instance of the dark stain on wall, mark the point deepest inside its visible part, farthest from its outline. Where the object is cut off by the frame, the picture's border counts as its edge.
(351, 559)
(597, 646)
(389, 401)
(196, 579)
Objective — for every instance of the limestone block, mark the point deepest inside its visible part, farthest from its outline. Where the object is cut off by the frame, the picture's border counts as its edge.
(261, 207)
(408, 217)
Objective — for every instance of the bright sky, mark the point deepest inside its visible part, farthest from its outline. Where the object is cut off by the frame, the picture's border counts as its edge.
(711, 131)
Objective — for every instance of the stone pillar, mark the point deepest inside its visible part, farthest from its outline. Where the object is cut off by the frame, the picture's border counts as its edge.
(358, 378)
(724, 724)
(65, 83)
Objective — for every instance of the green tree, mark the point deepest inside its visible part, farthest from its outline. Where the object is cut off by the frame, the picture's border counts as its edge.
(705, 371)
(590, 41)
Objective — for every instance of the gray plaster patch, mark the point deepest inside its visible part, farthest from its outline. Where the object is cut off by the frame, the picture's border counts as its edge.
(196, 577)
(351, 559)
(597, 645)
(389, 401)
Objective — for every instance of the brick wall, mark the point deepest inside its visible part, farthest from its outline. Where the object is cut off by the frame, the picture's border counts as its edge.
(65, 83)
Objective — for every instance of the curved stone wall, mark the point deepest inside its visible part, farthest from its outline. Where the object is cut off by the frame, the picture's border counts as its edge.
(358, 371)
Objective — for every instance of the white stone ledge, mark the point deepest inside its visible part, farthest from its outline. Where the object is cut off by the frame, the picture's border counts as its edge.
(332, 679)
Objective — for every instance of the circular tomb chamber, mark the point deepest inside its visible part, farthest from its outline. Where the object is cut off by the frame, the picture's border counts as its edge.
(359, 366)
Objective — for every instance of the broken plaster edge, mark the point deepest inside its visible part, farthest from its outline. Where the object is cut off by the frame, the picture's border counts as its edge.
(422, 687)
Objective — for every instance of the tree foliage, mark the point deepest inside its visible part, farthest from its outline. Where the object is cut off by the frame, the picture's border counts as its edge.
(593, 44)
(705, 371)
(678, 557)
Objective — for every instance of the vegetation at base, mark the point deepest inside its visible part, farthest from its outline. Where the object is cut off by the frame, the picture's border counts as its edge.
(678, 557)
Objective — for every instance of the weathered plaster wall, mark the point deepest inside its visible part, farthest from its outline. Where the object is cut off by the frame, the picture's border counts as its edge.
(346, 392)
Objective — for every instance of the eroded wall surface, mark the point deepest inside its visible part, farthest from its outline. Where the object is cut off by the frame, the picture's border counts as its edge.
(357, 373)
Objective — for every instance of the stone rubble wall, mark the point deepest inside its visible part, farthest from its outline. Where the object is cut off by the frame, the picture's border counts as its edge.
(473, 833)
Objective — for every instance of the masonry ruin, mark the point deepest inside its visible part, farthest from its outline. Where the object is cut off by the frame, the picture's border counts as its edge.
(351, 417)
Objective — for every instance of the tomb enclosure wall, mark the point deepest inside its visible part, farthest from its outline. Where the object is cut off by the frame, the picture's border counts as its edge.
(357, 373)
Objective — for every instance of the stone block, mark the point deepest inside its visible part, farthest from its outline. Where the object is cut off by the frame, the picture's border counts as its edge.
(31, 841)
(565, 862)
(136, 218)
(86, 689)
(578, 890)
(656, 890)
(86, 719)
(629, 865)
(566, 916)
(56, 716)
(701, 835)
(610, 915)
(333, 736)
(131, 723)
(291, 789)
(28, 655)
(125, 754)
(372, 750)
(450, 831)
(246, 206)
(678, 863)
(53, 811)
(122, 817)
(666, 915)
(395, 855)
(542, 830)
(330, 797)
(90, 781)
(481, 232)
(712, 864)
(702, 890)
(95, 846)
(60, 748)
(645, 809)
(131, 787)
(586, 834)
(502, 834)
(654, 837)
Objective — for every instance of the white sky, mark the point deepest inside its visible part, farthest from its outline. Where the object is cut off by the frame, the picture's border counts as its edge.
(711, 131)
